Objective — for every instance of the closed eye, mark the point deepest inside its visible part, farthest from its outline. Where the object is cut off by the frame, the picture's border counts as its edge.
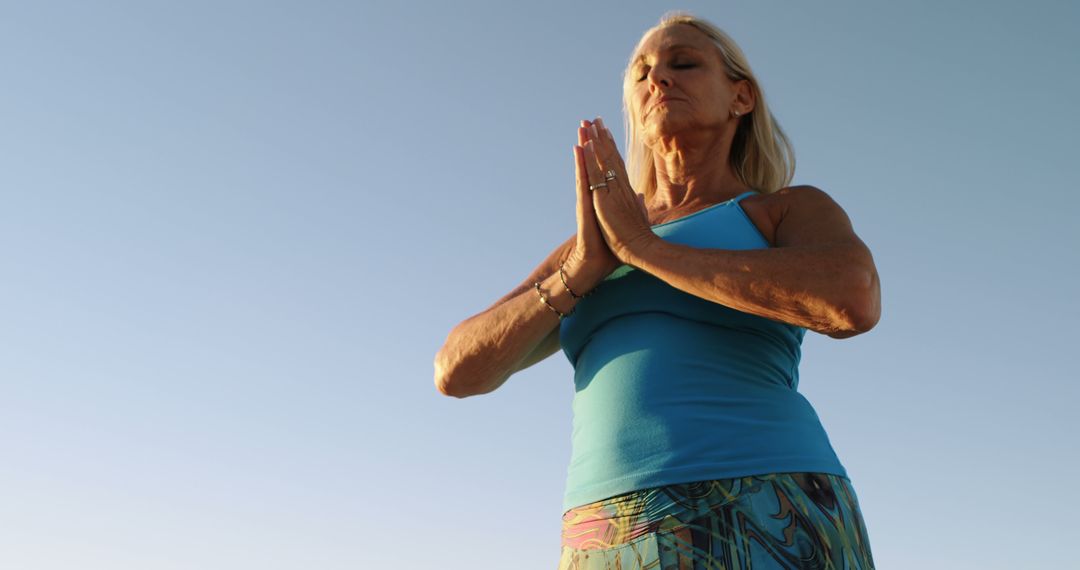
(645, 71)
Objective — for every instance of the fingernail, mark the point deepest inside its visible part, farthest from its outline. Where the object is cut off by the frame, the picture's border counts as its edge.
(600, 122)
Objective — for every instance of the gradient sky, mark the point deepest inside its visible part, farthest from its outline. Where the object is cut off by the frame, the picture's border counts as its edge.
(234, 235)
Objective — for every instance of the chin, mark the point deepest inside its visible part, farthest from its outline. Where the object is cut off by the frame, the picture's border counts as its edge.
(665, 127)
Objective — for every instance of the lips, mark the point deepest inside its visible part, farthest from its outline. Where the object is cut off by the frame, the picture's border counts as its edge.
(661, 101)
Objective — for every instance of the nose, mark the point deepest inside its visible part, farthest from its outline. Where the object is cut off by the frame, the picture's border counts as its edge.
(658, 78)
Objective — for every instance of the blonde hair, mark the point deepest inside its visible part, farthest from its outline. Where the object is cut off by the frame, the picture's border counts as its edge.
(761, 154)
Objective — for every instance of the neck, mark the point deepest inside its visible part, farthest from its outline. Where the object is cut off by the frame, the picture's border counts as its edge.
(688, 173)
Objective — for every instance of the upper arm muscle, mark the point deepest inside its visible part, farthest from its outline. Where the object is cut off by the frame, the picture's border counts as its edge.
(811, 217)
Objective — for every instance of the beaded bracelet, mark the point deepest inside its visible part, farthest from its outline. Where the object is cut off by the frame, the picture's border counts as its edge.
(572, 294)
(544, 299)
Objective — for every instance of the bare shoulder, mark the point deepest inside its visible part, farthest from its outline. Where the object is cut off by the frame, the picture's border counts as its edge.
(797, 215)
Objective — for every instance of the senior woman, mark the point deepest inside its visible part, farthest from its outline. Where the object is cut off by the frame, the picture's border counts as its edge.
(681, 302)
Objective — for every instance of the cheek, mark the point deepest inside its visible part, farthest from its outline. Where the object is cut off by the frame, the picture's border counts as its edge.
(636, 112)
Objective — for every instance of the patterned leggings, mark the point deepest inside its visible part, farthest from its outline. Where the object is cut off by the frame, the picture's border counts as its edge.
(760, 522)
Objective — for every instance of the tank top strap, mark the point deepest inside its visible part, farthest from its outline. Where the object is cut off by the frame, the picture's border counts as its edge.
(740, 197)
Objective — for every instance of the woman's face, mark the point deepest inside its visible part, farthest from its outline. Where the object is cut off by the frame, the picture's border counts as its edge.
(679, 84)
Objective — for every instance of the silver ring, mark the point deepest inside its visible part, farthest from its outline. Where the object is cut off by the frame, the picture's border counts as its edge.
(609, 175)
(598, 185)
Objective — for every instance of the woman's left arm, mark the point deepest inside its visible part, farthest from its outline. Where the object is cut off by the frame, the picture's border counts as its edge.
(819, 275)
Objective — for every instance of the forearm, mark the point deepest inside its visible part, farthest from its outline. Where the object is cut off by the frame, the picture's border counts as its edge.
(828, 288)
(482, 352)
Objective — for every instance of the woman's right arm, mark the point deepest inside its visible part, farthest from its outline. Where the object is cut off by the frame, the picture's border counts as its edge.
(482, 352)
(519, 330)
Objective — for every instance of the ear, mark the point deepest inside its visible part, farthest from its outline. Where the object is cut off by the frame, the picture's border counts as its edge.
(744, 97)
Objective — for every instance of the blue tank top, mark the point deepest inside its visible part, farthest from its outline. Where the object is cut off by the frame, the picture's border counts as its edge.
(672, 388)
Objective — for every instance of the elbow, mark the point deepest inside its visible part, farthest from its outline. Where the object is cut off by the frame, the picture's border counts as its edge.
(450, 382)
(464, 367)
(852, 323)
(443, 386)
(456, 389)
(860, 321)
(860, 309)
(443, 378)
(447, 388)
(445, 370)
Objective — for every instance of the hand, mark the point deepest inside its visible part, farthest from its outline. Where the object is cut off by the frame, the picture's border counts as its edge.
(591, 260)
(623, 217)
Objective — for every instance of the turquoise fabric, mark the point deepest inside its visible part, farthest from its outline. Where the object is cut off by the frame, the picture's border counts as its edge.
(671, 388)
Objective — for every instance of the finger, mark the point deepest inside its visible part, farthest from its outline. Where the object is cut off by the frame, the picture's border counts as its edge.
(606, 148)
(605, 143)
(602, 130)
(592, 167)
(600, 126)
(586, 214)
(608, 153)
(581, 174)
(602, 168)
(581, 171)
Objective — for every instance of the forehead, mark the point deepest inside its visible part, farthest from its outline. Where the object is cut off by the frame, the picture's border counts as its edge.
(673, 37)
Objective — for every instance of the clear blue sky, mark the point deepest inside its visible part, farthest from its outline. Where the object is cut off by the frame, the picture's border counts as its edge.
(234, 235)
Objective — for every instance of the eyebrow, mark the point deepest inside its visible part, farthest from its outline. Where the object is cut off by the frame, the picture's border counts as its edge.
(641, 57)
